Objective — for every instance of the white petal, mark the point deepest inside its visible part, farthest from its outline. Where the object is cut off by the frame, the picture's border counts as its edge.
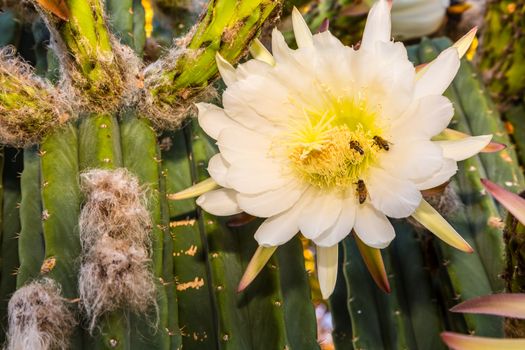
(261, 53)
(302, 33)
(218, 169)
(378, 26)
(280, 50)
(271, 202)
(219, 202)
(343, 225)
(327, 260)
(320, 212)
(438, 75)
(255, 177)
(464, 148)
(447, 170)
(429, 116)
(392, 196)
(372, 227)
(228, 74)
(414, 160)
(213, 119)
(239, 144)
(279, 229)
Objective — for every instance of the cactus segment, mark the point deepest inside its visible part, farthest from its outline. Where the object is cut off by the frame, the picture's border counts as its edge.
(31, 248)
(261, 305)
(9, 198)
(420, 303)
(475, 274)
(61, 201)
(197, 320)
(99, 142)
(299, 313)
(141, 157)
(177, 80)
(342, 324)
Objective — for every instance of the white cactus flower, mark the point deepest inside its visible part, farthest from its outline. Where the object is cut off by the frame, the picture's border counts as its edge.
(327, 139)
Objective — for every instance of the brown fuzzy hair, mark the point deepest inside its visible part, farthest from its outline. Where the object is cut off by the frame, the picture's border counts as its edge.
(30, 107)
(39, 318)
(115, 229)
(116, 206)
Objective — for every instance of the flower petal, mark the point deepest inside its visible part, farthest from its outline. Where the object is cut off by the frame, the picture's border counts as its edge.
(463, 44)
(427, 216)
(415, 159)
(374, 263)
(394, 197)
(372, 227)
(464, 148)
(327, 263)
(195, 190)
(505, 304)
(256, 264)
(457, 341)
(281, 51)
(218, 169)
(255, 177)
(219, 202)
(448, 169)
(239, 145)
(321, 210)
(435, 78)
(271, 202)
(511, 201)
(303, 35)
(429, 117)
(342, 226)
(378, 25)
(279, 229)
(261, 53)
(228, 74)
(213, 119)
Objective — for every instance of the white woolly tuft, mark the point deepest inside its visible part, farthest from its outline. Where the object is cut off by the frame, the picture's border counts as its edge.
(115, 206)
(39, 318)
(115, 229)
(115, 274)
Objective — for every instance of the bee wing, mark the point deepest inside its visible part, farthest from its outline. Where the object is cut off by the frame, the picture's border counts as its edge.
(57, 7)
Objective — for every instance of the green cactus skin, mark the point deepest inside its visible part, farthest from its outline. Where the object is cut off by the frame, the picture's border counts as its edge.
(191, 279)
(10, 224)
(141, 156)
(421, 302)
(9, 28)
(99, 147)
(474, 274)
(61, 201)
(503, 50)
(227, 28)
(515, 117)
(31, 242)
(301, 331)
(263, 299)
(342, 326)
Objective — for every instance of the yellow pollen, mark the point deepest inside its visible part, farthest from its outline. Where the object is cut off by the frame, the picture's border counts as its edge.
(329, 156)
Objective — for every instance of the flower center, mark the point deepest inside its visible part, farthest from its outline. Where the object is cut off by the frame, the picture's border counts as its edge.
(335, 150)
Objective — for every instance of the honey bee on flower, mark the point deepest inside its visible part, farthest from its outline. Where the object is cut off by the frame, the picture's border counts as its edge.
(328, 140)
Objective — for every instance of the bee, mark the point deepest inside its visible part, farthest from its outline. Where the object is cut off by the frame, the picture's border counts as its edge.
(362, 192)
(381, 143)
(356, 147)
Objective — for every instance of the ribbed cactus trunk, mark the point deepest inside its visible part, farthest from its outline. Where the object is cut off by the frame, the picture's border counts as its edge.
(502, 59)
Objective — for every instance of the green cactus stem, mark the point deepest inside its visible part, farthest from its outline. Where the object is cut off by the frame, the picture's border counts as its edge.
(227, 27)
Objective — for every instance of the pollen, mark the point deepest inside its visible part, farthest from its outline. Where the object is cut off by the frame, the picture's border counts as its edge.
(331, 155)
